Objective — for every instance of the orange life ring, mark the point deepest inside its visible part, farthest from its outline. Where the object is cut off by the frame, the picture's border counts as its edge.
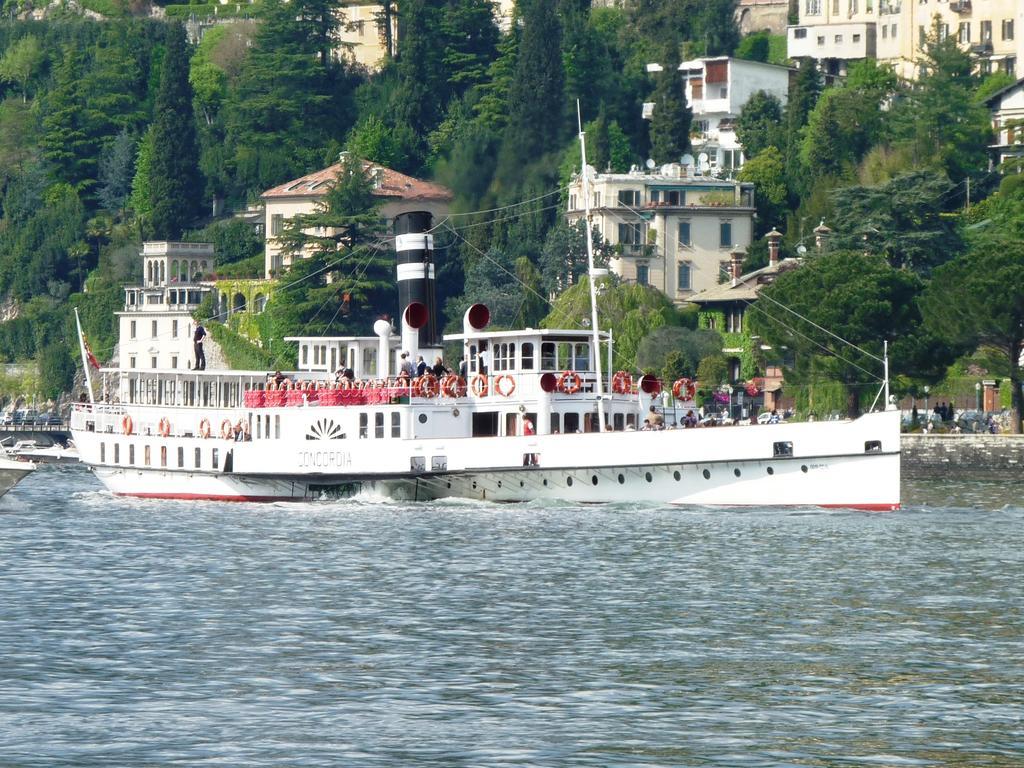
(684, 389)
(479, 385)
(569, 382)
(226, 430)
(427, 386)
(204, 428)
(622, 383)
(126, 424)
(164, 427)
(450, 385)
(500, 388)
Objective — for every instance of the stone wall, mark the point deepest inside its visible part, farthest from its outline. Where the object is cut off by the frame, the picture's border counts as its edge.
(949, 455)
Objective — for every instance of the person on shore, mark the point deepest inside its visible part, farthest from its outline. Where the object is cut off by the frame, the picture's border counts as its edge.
(197, 342)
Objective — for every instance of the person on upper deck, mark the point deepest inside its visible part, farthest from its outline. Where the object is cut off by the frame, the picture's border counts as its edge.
(421, 365)
(406, 368)
(439, 369)
(656, 420)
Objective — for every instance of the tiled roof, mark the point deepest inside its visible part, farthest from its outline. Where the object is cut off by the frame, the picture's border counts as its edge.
(387, 183)
(748, 286)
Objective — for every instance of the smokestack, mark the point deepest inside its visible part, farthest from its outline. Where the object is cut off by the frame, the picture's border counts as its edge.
(415, 271)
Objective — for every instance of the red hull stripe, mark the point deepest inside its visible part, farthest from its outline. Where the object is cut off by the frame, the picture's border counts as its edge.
(217, 497)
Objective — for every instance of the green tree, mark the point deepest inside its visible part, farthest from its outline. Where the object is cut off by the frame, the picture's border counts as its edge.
(175, 184)
(56, 371)
(841, 306)
(803, 95)
(676, 352)
(754, 47)
(537, 109)
(759, 125)
(716, 31)
(420, 65)
(21, 62)
(116, 171)
(767, 171)
(670, 124)
(470, 34)
(903, 220)
(70, 142)
(939, 116)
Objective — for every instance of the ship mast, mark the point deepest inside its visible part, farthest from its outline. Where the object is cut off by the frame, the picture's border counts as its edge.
(592, 273)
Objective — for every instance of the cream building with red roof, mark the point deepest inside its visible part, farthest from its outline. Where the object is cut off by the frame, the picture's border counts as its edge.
(398, 193)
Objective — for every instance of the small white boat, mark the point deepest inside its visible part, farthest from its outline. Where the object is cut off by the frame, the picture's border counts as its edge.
(30, 450)
(12, 472)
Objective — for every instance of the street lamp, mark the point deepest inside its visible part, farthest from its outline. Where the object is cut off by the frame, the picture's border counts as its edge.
(977, 396)
(926, 411)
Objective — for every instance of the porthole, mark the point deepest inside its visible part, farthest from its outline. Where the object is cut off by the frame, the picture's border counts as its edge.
(568, 481)
(545, 481)
(593, 479)
(449, 484)
(771, 471)
(423, 418)
(474, 485)
(499, 483)
(622, 479)
(521, 483)
(648, 476)
(677, 475)
(803, 468)
(736, 472)
(707, 474)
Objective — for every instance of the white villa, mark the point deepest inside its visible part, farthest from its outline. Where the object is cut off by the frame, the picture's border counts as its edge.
(673, 229)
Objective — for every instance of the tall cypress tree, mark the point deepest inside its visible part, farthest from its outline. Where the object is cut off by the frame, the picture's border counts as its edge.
(175, 182)
(803, 95)
(421, 99)
(670, 123)
(537, 109)
(70, 141)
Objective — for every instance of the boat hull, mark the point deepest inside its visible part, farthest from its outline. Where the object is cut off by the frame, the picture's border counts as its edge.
(853, 464)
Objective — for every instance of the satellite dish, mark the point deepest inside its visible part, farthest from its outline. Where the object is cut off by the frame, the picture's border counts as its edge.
(687, 159)
(650, 164)
(801, 249)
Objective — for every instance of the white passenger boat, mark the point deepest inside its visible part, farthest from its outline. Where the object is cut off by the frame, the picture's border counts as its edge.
(534, 418)
(55, 453)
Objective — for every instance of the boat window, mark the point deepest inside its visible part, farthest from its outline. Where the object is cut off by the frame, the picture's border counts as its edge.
(146, 455)
(472, 358)
(378, 425)
(396, 424)
(548, 361)
(198, 458)
(181, 457)
(417, 463)
(266, 426)
(364, 423)
(117, 453)
(582, 358)
(510, 424)
(556, 423)
(571, 423)
(631, 420)
(564, 356)
(277, 427)
(873, 446)
(131, 454)
(782, 449)
(438, 463)
(103, 452)
(163, 455)
(618, 422)
(215, 458)
(527, 353)
(485, 424)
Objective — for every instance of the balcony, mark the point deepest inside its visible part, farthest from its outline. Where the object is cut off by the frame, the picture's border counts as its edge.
(960, 6)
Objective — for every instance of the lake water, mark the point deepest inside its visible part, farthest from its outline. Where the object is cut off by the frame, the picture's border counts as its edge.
(182, 634)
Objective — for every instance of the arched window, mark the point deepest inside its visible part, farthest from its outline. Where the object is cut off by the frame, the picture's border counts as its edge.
(149, 272)
(163, 272)
(194, 270)
(259, 303)
(238, 303)
(175, 274)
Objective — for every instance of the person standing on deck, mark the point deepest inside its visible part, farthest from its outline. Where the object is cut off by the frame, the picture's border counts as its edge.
(197, 340)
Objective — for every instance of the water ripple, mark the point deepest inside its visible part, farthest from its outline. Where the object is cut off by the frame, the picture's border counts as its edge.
(153, 633)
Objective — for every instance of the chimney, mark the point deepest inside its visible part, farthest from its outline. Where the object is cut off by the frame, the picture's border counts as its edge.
(736, 265)
(821, 235)
(774, 238)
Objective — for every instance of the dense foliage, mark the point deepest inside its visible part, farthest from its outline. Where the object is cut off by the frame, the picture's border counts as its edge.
(118, 129)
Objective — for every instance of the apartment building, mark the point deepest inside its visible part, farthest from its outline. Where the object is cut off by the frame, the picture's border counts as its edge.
(1007, 108)
(717, 88)
(672, 228)
(835, 32)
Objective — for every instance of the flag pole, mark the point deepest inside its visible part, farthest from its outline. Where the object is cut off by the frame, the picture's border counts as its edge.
(85, 359)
